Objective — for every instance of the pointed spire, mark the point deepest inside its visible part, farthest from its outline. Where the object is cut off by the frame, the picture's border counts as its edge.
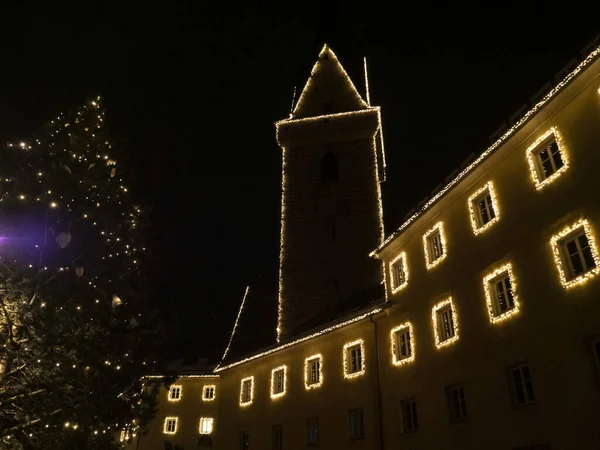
(329, 89)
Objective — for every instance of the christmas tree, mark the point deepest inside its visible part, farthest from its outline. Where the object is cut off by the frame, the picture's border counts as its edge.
(77, 334)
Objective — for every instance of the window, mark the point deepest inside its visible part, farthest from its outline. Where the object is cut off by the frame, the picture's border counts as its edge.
(457, 404)
(330, 170)
(399, 273)
(174, 393)
(170, 425)
(277, 437)
(483, 208)
(208, 393)
(312, 426)
(246, 391)
(575, 254)
(408, 415)
(522, 385)
(402, 344)
(354, 354)
(547, 158)
(445, 323)
(313, 378)
(355, 422)
(244, 440)
(434, 245)
(278, 380)
(206, 425)
(501, 294)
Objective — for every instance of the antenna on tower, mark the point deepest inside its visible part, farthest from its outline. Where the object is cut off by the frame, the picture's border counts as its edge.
(293, 101)
(368, 95)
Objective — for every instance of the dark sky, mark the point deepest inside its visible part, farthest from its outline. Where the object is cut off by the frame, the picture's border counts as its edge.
(192, 93)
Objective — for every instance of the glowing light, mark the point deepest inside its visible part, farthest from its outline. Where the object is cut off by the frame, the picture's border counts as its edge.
(206, 425)
(308, 383)
(367, 94)
(560, 258)
(429, 261)
(175, 393)
(394, 350)
(274, 373)
(298, 341)
(484, 155)
(439, 343)
(209, 392)
(170, 425)
(347, 349)
(280, 309)
(534, 166)
(398, 262)
(236, 323)
(474, 210)
(53, 205)
(248, 400)
(488, 280)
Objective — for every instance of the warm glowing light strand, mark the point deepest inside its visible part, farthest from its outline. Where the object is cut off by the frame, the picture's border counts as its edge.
(308, 384)
(173, 390)
(279, 329)
(473, 211)
(168, 421)
(398, 260)
(206, 389)
(535, 170)
(394, 344)
(348, 346)
(436, 328)
(274, 393)
(429, 261)
(248, 402)
(487, 286)
(367, 93)
(235, 325)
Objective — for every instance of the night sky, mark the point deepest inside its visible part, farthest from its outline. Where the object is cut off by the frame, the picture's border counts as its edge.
(192, 93)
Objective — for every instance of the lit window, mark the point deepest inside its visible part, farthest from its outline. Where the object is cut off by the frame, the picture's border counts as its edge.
(206, 425)
(402, 344)
(457, 403)
(408, 416)
(501, 293)
(244, 440)
(399, 272)
(434, 245)
(125, 436)
(354, 354)
(278, 381)
(170, 425)
(522, 385)
(246, 391)
(547, 158)
(483, 208)
(175, 393)
(313, 377)
(208, 393)
(277, 437)
(355, 424)
(312, 426)
(445, 323)
(575, 254)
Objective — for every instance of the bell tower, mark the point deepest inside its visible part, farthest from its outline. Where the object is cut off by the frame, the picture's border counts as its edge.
(331, 213)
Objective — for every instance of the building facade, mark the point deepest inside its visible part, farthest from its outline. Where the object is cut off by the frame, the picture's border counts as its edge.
(488, 335)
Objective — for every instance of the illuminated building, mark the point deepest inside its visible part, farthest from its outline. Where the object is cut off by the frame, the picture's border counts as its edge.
(488, 332)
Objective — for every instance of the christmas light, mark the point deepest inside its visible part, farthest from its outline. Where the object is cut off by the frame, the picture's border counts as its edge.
(436, 329)
(308, 384)
(394, 350)
(274, 373)
(474, 211)
(398, 261)
(235, 325)
(251, 398)
(279, 329)
(347, 373)
(429, 261)
(532, 158)
(487, 281)
(207, 390)
(560, 259)
(367, 94)
(170, 425)
(175, 393)
(206, 425)
(484, 155)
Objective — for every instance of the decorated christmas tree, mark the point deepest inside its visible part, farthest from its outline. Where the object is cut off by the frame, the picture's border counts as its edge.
(76, 333)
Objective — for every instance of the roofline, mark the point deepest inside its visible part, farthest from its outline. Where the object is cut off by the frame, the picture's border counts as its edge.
(270, 350)
(150, 377)
(326, 116)
(588, 60)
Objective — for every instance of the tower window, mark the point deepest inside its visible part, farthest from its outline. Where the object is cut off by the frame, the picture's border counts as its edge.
(330, 170)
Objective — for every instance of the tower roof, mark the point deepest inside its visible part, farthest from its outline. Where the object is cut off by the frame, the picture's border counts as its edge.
(329, 89)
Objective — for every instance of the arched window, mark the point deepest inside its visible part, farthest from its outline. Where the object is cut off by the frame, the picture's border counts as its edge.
(330, 170)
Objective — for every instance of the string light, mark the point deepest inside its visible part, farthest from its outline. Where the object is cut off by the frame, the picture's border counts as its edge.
(280, 310)
(175, 393)
(398, 262)
(170, 425)
(532, 156)
(235, 325)
(248, 402)
(512, 130)
(439, 229)
(367, 94)
(560, 258)
(439, 343)
(308, 383)
(488, 280)
(347, 348)
(207, 390)
(206, 425)
(473, 211)
(274, 373)
(394, 350)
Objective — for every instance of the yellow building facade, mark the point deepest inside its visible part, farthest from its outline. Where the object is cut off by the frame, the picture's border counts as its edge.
(488, 335)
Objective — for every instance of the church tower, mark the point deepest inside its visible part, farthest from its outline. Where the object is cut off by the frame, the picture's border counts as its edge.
(331, 214)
